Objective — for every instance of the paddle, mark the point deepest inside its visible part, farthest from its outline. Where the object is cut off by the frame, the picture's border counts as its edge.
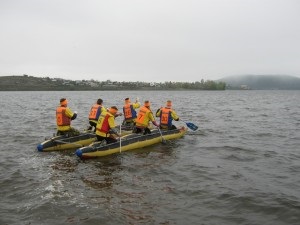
(162, 138)
(191, 125)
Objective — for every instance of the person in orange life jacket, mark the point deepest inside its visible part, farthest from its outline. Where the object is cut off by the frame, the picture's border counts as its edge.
(64, 116)
(129, 111)
(167, 114)
(106, 126)
(144, 116)
(94, 114)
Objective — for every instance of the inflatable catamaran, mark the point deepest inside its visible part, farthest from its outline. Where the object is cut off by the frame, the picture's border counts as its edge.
(59, 143)
(129, 142)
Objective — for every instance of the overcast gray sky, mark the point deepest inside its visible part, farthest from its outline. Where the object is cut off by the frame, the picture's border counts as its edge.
(149, 40)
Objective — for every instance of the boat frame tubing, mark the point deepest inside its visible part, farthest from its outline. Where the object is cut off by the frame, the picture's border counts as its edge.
(132, 143)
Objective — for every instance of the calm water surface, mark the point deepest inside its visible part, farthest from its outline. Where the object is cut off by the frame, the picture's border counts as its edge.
(241, 167)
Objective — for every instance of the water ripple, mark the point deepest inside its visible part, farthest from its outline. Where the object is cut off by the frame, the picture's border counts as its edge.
(240, 167)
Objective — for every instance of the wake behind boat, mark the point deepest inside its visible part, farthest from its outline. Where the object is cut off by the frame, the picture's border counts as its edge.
(129, 142)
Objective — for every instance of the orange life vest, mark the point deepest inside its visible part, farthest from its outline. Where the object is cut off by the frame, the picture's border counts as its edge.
(165, 117)
(61, 118)
(95, 112)
(129, 112)
(142, 119)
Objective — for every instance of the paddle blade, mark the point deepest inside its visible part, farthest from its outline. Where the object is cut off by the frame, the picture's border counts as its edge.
(192, 126)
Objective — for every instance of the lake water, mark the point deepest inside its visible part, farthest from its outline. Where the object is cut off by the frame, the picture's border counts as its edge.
(242, 166)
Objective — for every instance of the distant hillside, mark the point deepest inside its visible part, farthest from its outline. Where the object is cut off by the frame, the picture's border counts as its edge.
(30, 83)
(262, 82)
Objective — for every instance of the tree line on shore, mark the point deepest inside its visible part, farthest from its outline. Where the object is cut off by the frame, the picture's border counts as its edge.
(30, 83)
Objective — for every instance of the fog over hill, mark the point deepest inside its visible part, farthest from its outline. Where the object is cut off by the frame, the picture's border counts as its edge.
(263, 82)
